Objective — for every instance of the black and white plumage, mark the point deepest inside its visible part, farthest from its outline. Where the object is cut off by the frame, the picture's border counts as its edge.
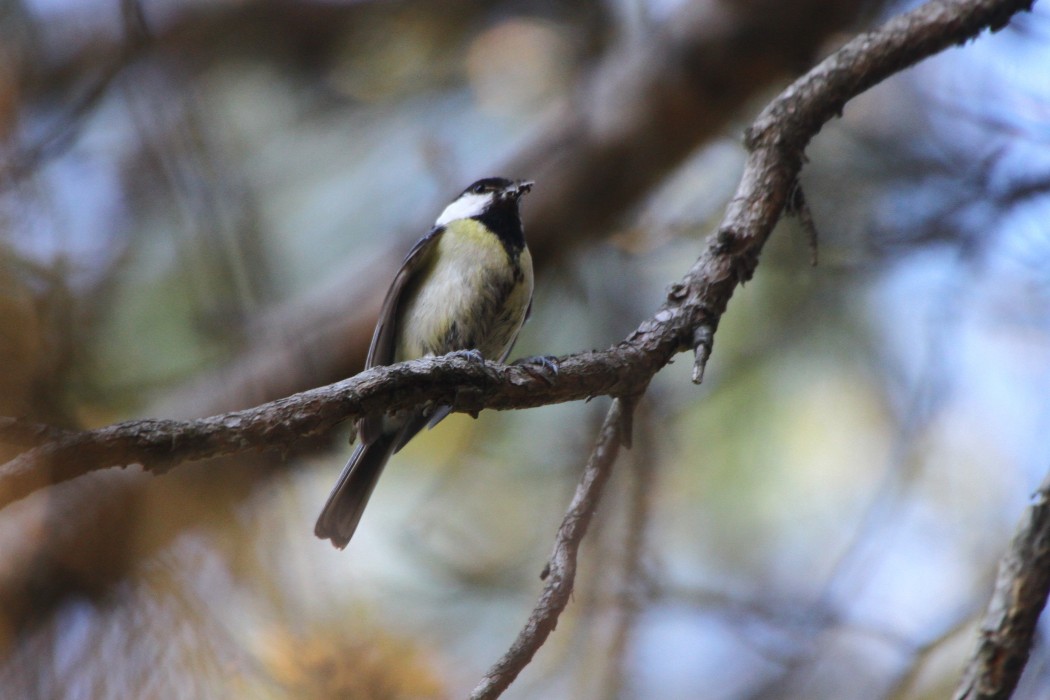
(465, 286)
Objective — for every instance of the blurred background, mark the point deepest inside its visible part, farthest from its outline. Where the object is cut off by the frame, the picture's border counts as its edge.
(201, 205)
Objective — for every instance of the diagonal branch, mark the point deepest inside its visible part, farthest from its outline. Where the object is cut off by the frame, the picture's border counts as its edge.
(632, 120)
(687, 319)
(596, 161)
(465, 384)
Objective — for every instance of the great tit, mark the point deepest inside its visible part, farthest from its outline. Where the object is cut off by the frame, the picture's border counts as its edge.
(466, 286)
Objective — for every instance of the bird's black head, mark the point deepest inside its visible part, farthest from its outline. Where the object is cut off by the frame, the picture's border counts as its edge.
(492, 201)
(498, 188)
(487, 184)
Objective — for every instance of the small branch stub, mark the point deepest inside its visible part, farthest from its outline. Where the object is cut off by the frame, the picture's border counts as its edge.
(703, 342)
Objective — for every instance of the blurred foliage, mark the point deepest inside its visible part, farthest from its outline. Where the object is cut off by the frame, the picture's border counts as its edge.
(821, 518)
(329, 667)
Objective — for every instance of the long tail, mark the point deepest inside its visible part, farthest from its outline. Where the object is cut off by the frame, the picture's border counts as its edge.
(348, 499)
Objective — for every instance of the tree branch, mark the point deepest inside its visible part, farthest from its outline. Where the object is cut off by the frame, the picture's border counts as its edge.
(1009, 626)
(465, 384)
(719, 57)
(776, 142)
(561, 569)
(639, 114)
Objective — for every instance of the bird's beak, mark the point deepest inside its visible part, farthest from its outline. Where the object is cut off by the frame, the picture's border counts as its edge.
(519, 188)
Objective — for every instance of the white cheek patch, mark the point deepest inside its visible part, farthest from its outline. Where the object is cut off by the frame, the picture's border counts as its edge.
(466, 206)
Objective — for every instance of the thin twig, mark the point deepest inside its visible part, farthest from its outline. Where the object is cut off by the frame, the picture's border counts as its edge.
(560, 572)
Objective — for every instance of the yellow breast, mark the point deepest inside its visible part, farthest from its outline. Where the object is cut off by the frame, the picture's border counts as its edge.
(473, 296)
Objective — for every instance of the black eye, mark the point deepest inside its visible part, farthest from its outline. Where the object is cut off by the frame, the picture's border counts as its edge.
(478, 189)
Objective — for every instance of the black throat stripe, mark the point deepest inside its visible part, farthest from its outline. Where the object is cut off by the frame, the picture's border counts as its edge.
(504, 220)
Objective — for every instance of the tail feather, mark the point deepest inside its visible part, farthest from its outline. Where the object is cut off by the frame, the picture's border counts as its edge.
(348, 499)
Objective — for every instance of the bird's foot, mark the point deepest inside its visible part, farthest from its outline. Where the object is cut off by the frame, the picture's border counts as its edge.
(471, 355)
(543, 367)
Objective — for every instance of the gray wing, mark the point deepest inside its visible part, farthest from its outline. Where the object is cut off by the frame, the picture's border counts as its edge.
(382, 350)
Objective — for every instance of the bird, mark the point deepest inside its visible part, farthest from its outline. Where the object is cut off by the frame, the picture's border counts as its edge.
(465, 287)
